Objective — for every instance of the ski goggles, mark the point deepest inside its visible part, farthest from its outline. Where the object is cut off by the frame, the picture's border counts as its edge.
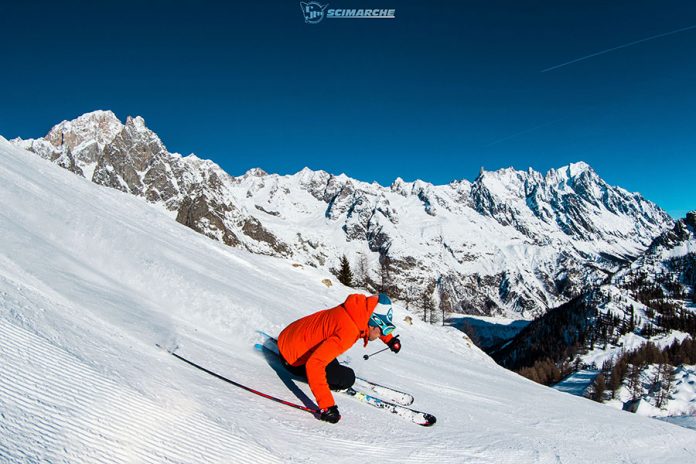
(384, 327)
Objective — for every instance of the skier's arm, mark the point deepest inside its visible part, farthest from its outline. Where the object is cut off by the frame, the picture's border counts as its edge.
(331, 348)
(394, 343)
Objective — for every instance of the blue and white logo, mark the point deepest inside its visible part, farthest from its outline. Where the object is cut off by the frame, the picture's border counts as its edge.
(313, 11)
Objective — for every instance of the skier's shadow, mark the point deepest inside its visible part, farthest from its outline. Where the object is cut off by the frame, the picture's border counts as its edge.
(288, 378)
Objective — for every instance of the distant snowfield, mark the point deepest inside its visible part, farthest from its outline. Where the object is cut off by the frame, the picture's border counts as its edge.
(91, 279)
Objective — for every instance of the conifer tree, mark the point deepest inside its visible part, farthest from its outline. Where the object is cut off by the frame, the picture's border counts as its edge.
(385, 273)
(434, 314)
(345, 275)
(445, 304)
(656, 385)
(361, 276)
(666, 373)
(427, 301)
(598, 388)
(616, 377)
(635, 385)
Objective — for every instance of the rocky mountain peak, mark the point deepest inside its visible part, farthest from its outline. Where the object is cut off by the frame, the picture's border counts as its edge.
(577, 169)
(683, 232)
(399, 186)
(691, 220)
(98, 126)
(137, 123)
(255, 172)
(136, 130)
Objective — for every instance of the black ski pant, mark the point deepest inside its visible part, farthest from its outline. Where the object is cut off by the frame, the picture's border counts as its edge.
(338, 377)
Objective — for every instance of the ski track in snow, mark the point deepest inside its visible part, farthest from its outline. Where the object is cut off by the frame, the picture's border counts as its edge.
(70, 413)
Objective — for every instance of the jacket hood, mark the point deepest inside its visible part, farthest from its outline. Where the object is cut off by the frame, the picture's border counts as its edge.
(359, 308)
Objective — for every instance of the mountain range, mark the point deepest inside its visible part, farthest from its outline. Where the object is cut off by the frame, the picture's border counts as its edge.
(510, 242)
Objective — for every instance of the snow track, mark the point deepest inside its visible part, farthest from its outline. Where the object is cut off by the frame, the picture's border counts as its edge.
(72, 413)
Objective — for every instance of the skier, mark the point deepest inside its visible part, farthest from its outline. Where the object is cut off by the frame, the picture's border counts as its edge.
(310, 345)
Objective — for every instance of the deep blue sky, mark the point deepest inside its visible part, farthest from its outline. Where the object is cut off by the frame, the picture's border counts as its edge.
(441, 90)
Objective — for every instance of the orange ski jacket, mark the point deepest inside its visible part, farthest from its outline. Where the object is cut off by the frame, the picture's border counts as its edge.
(319, 338)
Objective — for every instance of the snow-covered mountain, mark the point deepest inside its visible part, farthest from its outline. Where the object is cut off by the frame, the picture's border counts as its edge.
(510, 242)
(644, 316)
(91, 279)
(672, 253)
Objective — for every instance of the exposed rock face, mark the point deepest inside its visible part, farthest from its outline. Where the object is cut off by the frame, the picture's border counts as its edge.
(514, 242)
(203, 215)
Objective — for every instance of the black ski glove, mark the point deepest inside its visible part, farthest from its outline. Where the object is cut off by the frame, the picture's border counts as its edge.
(330, 414)
(394, 344)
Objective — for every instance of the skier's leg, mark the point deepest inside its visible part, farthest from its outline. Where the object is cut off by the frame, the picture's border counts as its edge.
(339, 377)
(299, 371)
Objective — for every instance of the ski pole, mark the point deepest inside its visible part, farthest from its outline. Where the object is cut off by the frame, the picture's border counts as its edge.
(244, 387)
(367, 356)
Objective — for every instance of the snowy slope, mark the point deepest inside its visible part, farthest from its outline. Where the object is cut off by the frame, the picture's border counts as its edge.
(92, 278)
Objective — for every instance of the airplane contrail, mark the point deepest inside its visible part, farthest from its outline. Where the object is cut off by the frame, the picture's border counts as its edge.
(531, 129)
(620, 46)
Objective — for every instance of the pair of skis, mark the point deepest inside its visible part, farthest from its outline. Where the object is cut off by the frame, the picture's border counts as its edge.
(396, 403)
(399, 399)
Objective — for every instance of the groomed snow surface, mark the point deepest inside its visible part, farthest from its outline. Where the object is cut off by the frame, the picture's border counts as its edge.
(91, 279)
